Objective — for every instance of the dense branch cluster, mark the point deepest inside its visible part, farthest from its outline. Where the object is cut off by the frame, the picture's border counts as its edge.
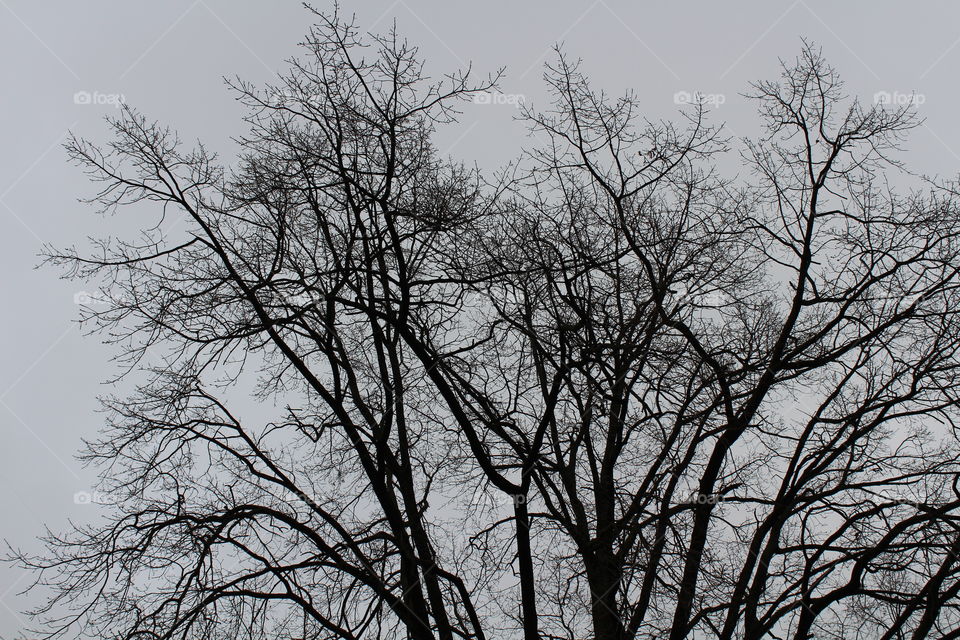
(608, 394)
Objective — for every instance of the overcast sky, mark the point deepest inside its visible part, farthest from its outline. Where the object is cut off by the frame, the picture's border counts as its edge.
(65, 65)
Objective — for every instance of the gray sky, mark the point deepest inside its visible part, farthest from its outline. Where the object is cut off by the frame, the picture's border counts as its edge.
(65, 63)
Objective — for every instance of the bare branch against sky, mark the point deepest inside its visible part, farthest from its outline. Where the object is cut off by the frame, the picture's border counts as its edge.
(540, 321)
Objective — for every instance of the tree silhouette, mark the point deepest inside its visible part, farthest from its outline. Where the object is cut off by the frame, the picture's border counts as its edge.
(608, 393)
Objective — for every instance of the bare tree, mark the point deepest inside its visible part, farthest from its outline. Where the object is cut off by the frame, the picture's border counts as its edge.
(610, 393)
